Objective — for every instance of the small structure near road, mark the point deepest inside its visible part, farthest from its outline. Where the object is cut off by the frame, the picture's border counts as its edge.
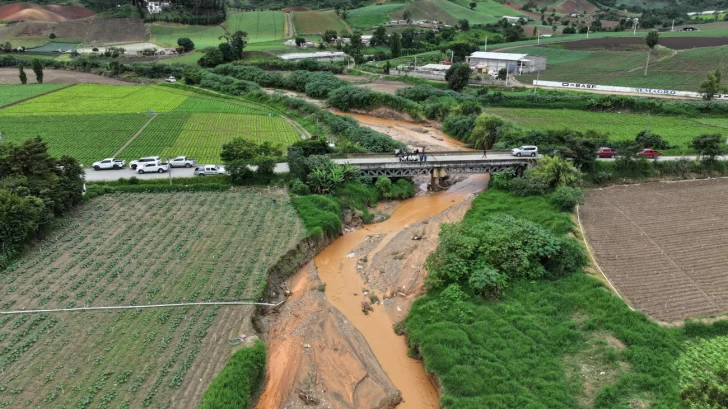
(318, 56)
(482, 61)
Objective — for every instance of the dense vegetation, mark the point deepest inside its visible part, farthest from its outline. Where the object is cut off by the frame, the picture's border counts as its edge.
(34, 189)
(544, 343)
(235, 387)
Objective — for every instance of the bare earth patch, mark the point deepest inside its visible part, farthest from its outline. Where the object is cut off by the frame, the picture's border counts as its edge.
(662, 245)
(10, 76)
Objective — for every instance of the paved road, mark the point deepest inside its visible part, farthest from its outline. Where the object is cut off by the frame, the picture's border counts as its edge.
(110, 175)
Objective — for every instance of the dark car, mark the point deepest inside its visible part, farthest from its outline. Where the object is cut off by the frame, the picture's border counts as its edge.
(648, 153)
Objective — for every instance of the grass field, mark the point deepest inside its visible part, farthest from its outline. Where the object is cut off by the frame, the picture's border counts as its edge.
(676, 70)
(371, 16)
(316, 22)
(164, 248)
(485, 12)
(14, 93)
(203, 36)
(91, 122)
(678, 131)
(261, 26)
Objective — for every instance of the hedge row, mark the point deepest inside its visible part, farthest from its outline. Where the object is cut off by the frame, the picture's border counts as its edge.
(239, 381)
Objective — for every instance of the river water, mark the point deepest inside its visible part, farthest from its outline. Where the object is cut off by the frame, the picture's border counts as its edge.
(344, 290)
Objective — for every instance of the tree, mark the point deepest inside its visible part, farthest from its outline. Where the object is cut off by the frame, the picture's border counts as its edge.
(379, 36)
(211, 59)
(461, 50)
(329, 35)
(37, 66)
(711, 85)
(300, 41)
(21, 74)
(457, 76)
(52, 36)
(653, 37)
(395, 44)
(464, 24)
(406, 15)
(186, 44)
(232, 48)
(647, 139)
(488, 130)
(554, 171)
(472, 5)
(708, 145)
(243, 149)
(502, 74)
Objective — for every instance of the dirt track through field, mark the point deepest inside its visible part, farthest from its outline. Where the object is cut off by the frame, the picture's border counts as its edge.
(663, 245)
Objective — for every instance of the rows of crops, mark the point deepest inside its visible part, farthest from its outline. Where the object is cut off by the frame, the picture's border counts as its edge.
(138, 249)
(371, 16)
(680, 70)
(14, 93)
(678, 131)
(316, 22)
(91, 122)
(260, 25)
(484, 13)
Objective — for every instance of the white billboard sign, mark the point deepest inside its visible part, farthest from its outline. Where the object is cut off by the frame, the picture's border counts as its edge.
(630, 90)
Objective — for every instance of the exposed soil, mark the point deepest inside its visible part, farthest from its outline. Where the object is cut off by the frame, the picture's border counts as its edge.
(390, 87)
(91, 30)
(675, 43)
(661, 245)
(415, 135)
(295, 8)
(53, 13)
(575, 6)
(352, 78)
(10, 76)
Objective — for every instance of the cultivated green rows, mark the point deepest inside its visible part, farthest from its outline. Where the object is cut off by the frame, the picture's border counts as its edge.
(136, 249)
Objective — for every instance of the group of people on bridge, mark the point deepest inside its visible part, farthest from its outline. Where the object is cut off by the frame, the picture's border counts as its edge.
(406, 156)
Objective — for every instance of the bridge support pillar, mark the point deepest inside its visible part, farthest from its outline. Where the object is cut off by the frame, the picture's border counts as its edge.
(435, 176)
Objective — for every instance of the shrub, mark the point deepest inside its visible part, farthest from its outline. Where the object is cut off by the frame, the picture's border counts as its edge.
(459, 126)
(501, 180)
(239, 381)
(299, 188)
(320, 214)
(554, 171)
(402, 189)
(647, 139)
(566, 198)
(528, 186)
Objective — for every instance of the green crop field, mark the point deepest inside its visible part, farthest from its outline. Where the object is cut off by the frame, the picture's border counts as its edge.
(14, 93)
(91, 122)
(678, 131)
(203, 36)
(316, 22)
(164, 248)
(261, 26)
(372, 15)
(484, 13)
(678, 70)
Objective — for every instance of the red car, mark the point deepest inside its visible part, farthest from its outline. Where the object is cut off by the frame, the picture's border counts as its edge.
(649, 153)
(606, 153)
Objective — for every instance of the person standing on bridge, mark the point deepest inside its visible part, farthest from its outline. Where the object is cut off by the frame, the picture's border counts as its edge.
(485, 150)
(423, 157)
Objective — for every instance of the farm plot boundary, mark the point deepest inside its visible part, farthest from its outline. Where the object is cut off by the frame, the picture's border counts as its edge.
(661, 244)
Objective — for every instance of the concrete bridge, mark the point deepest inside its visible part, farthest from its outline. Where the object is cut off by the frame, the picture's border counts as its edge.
(441, 164)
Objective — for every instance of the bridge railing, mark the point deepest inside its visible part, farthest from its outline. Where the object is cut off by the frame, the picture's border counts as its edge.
(428, 153)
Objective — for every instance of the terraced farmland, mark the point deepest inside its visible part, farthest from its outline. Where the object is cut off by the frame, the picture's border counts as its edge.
(659, 244)
(163, 248)
(14, 93)
(371, 16)
(261, 26)
(91, 122)
(678, 131)
(202, 36)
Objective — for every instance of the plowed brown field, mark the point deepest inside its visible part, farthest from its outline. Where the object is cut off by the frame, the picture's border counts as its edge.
(54, 13)
(663, 245)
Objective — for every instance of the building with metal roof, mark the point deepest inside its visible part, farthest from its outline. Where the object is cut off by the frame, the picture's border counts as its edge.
(483, 61)
(318, 56)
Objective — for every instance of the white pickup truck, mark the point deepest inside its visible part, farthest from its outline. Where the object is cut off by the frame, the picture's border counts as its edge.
(109, 163)
(153, 167)
(182, 162)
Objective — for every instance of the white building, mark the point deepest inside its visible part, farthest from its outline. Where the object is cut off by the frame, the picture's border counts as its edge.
(511, 19)
(515, 63)
(318, 56)
(155, 7)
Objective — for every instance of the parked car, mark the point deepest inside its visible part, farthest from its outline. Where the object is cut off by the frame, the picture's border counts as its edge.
(109, 163)
(648, 153)
(182, 162)
(209, 170)
(605, 152)
(171, 79)
(143, 161)
(153, 167)
(526, 150)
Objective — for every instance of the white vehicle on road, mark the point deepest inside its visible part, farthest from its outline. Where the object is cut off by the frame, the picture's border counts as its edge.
(182, 162)
(209, 170)
(526, 150)
(143, 161)
(109, 163)
(171, 79)
(153, 167)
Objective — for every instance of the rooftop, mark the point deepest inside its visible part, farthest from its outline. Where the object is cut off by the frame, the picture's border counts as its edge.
(498, 56)
(320, 54)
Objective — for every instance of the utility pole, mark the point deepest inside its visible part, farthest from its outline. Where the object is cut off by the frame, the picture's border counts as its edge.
(673, 26)
(486, 44)
(635, 23)
(538, 75)
(587, 32)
